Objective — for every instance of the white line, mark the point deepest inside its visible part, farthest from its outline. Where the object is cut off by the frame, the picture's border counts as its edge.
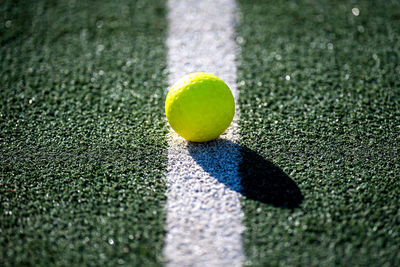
(204, 217)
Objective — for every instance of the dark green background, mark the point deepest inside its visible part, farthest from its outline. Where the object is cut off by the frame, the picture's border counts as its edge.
(82, 132)
(333, 128)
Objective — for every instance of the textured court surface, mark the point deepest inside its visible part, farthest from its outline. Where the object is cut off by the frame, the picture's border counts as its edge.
(84, 142)
(83, 147)
(320, 98)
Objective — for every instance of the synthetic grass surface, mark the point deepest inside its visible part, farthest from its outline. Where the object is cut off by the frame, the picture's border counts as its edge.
(82, 132)
(320, 99)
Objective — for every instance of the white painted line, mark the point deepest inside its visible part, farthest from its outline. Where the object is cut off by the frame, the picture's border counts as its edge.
(204, 217)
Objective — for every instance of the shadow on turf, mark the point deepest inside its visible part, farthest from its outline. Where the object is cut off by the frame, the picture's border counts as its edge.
(260, 179)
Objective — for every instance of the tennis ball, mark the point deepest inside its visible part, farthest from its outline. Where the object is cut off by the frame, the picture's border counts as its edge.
(199, 107)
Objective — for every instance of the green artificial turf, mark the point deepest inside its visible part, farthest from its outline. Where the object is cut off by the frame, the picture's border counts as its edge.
(320, 99)
(82, 132)
(83, 147)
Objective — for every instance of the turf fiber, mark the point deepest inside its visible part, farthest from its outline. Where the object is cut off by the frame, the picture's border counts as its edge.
(82, 132)
(320, 97)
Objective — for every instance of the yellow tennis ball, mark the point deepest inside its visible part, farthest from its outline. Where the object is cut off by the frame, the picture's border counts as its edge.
(199, 107)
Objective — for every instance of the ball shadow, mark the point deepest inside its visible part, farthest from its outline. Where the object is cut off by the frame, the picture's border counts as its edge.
(259, 180)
